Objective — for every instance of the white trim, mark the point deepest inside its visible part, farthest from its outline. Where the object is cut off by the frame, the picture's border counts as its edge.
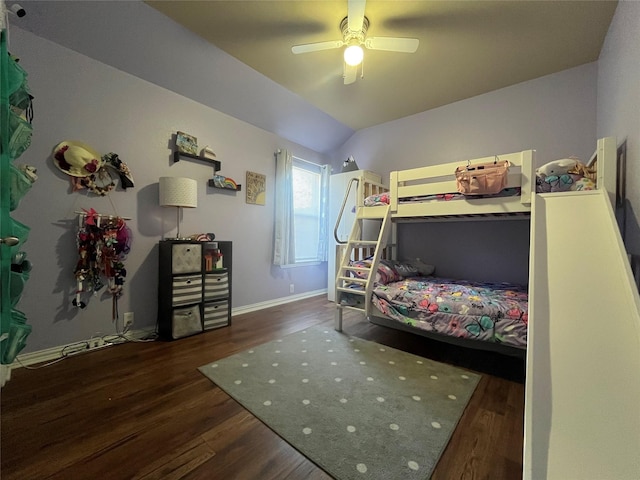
(54, 353)
(5, 374)
(310, 263)
(276, 302)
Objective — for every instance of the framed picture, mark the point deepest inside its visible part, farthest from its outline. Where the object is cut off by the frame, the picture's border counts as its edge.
(187, 143)
(256, 188)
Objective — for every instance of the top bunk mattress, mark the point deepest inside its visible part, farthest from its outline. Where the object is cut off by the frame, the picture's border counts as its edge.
(426, 191)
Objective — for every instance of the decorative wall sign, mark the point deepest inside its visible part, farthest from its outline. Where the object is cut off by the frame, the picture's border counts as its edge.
(187, 143)
(256, 188)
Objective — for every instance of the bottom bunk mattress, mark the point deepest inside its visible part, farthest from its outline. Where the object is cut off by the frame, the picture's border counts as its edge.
(490, 312)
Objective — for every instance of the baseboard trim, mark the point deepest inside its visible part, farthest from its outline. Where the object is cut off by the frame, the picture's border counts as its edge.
(275, 302)
(55, 353)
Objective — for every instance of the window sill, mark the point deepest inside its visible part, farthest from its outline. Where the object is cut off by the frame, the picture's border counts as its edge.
(301, 264)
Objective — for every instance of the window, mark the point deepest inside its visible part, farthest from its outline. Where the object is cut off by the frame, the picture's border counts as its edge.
(301, 204)
(308, 214)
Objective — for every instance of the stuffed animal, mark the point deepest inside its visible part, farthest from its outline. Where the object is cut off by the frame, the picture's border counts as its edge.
(565, 174)
(555, 176)
(585, 171)
(558, 167)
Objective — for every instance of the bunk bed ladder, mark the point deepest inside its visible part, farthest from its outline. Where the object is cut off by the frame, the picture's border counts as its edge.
(354, 284)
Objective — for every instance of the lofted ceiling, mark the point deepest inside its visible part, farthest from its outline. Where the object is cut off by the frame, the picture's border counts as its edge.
(466, 47)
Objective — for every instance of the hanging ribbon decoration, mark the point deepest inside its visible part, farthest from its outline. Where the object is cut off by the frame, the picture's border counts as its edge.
(103, 243)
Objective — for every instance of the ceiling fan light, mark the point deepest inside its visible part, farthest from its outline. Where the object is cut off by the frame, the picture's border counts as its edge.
(353, 55)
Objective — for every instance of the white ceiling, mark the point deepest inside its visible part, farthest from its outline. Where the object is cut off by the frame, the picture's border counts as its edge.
(239, 59)
(466, 47)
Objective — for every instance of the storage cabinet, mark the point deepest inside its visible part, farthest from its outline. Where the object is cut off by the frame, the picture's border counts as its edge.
(194, 287)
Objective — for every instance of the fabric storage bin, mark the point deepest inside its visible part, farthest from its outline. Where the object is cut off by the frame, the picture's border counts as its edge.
(21, 232)
(186, 290)
(17, 281)
(216, 314)
(19, 185)
(16, 76)
(20, 132)
(186, 258)
(186, 321)
(17, 336)
(216, 285)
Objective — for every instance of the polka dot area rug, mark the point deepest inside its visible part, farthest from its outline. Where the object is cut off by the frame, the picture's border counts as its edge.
(357, 409)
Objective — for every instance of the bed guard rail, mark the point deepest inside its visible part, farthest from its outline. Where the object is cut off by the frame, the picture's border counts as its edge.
(344, 203)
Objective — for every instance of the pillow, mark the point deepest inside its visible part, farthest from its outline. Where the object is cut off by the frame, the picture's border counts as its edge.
(556, 183)
(413, 268)
(394, 271)
(424, 269)
(385, 274)
(377, 199)
(584, 184)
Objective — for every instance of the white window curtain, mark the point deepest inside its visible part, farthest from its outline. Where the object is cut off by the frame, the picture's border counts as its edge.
(284, 240)
(323, 243)
(284, 251)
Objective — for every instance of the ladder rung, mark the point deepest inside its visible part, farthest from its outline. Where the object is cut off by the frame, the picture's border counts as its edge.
(356, 269)
(362, 242)
(353, 279)
(349, 307)
(351, 290)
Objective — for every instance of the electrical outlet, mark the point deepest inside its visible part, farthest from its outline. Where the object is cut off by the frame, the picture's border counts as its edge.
(128, 320)
(95, 342)
(291, 289)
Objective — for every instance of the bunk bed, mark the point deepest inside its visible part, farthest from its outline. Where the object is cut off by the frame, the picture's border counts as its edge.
(485, 315)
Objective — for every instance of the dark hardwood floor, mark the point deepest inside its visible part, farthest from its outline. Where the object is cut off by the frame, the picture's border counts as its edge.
(143, 411)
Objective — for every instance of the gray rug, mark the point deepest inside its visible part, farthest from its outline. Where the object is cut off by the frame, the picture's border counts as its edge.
(357, 409)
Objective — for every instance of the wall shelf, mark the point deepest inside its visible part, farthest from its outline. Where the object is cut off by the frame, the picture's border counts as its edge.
(177, 155)
(212, 184)
(216, 164)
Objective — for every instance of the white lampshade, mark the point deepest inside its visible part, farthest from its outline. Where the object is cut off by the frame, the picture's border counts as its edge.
(178, 192)
(353, 55)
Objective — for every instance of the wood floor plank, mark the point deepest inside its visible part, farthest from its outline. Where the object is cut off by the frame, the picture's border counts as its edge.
(181, 465)
(143, 411)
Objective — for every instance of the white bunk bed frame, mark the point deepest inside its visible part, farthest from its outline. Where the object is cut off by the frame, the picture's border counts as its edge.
(421, 181)
(581, 416)
(441, 178)
(430, 180)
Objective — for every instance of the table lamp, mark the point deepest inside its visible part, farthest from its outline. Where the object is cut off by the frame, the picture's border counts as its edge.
(178, 192)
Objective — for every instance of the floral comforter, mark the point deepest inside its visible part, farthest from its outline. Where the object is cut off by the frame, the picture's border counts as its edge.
(492, 312)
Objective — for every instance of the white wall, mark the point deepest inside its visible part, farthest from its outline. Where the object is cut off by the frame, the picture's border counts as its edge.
(136, 38)
(78, 98)
(555, 115)
(619, 103)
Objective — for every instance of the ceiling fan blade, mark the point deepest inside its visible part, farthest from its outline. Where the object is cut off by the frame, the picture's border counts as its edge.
(392, 44)
(356, 14)
(350, 74)
(314, 47)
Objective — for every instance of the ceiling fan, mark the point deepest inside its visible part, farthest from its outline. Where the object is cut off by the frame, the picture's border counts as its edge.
(354, 35)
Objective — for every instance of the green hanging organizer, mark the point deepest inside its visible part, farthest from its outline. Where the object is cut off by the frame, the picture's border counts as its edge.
(15, 182)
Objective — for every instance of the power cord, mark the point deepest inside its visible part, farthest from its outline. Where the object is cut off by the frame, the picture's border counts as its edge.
(52, 362)
(84, 346)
